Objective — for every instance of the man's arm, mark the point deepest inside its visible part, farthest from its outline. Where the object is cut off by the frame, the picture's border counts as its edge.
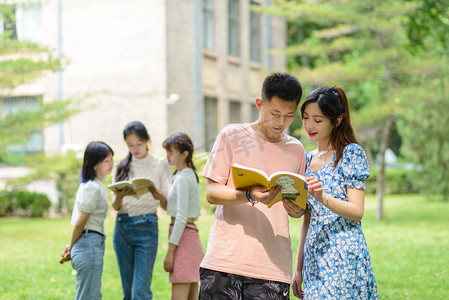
(220, 194)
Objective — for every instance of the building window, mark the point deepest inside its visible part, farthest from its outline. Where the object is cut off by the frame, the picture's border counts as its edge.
(255, 35)
(233, 28)
(254, 113)
(8, 21)
(235, 108)
(210, 122)
(14, 105)
(208, 24)
(23, 23)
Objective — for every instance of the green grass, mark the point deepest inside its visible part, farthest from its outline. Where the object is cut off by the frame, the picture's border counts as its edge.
(409, 252)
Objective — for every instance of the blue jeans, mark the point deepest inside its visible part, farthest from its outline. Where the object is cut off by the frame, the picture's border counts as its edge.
(135, 245)
(87, 259)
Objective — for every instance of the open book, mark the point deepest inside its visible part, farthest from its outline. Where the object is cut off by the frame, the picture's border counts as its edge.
(140, 185)
(294, 186)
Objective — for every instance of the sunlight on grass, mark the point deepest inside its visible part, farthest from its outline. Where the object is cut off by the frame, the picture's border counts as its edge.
(409, 252)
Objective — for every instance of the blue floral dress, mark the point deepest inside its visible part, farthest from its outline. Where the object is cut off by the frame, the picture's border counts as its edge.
(337, 264)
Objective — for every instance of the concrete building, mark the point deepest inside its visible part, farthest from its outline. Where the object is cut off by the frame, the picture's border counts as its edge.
(175, 65)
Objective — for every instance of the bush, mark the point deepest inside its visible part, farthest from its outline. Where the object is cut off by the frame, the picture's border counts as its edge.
(40, 205)
(397, 181)
(24, 199)
(6, 203)
(23, 203)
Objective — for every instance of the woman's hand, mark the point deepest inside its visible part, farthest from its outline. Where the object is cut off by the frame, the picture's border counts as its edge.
(297, 285)
(126, 191)
(315, 189)
(157, 193)
(168, 262)
(66, 254)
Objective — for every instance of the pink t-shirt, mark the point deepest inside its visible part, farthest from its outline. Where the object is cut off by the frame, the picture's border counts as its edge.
(248, 240)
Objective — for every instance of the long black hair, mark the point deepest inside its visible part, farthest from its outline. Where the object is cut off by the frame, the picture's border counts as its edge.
(95, 153)
(333, 103)
(181, 142)
(137, 128)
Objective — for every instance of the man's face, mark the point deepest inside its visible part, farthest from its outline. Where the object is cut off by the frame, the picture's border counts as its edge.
(275, 116)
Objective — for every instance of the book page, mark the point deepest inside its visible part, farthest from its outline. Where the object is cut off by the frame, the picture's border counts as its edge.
(119, 185)
(245, 177)
(294, 188)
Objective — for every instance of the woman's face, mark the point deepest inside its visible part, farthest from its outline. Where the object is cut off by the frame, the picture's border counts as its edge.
(136, 146)
(175, 158)
(104, 167)
(317, 126)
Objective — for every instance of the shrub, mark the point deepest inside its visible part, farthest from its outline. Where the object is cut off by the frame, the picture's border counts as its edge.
(40, 205)
(397, 181)
(24, 199)
(24, 203)
(6, 203)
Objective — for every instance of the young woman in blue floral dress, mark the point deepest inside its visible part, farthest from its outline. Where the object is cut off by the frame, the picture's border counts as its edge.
(333, 258)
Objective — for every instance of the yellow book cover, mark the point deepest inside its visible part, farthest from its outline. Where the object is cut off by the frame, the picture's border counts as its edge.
(140, 185)
(294, 186)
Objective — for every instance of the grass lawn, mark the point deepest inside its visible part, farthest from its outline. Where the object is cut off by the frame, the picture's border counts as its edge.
(409, 252)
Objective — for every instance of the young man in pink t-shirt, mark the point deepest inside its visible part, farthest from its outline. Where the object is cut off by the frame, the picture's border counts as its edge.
(249, 251)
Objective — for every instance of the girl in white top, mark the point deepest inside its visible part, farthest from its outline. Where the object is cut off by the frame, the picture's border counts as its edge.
(185, 251)
(86, 248)
(136, 228)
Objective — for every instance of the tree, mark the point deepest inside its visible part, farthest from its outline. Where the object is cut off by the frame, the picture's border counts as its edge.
(20, 63)
(362, 46)
(427, 29)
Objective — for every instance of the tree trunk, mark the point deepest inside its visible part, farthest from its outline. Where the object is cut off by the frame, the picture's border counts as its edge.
(381, 174)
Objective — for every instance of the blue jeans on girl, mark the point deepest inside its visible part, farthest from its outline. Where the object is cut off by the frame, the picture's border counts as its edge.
(135, 244)
(87, 259)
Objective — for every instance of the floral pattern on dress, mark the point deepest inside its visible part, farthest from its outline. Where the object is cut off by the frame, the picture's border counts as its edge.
(337, 264)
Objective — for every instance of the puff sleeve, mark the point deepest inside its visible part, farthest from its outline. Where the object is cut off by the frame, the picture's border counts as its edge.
(355, 166)
(89, 197)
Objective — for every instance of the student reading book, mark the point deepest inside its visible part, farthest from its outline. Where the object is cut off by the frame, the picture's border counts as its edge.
(249, 250)
(139, 184)
(294, 186)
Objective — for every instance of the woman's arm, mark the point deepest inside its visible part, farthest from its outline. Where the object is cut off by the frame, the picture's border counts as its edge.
(118, 195)
(298, 277)
(76, 233)
(352, 209)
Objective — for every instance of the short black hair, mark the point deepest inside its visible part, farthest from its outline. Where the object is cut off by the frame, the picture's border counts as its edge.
(95, 153)
(283, 85)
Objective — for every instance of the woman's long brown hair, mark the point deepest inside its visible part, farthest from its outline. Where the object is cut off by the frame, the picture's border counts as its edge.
(334, 104)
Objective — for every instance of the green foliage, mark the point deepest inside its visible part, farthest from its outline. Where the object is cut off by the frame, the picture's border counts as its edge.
(17, 128)
(23, 203)
(14, 72)
(64, 170)
(397, 181)
(40, 205)
(7, 205)
(428, 26)
(20, 63)
(24, 199)
(378, 51)
(427, 113)
(200, 160)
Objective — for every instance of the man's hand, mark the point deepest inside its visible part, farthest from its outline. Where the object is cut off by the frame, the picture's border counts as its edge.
(262, 195)
(292, 209)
